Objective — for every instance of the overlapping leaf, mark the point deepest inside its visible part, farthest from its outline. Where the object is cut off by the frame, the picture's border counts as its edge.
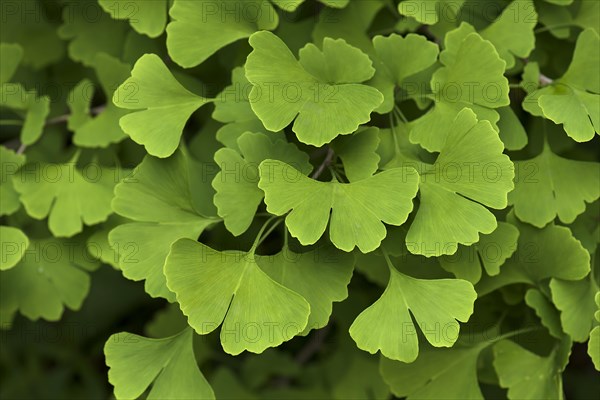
(237, 192)
(471, 172)
(356, 220)
(548, 186)
(472, 76)
(164, 106)
(322, 92)
(229, 288)
(146, 17)
(68, 195)
(136, 362)
(158, 197)
(10, 162)
(573, 100)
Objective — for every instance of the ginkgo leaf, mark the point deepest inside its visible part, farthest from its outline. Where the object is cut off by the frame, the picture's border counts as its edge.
(512, 133)
(576, 302)
(471, 172)
(70, 197)
(574, 99)
(103, 129)
(430, 12)
(548, 186)
(164, 103)
(594, 342)
(358, 210)
(550, 252)
(435, 304)
(527, 375)
(10, 57)
(512, 32)
(229, 288)
(545, 311)
(51, 275)
(237, 193)
(320, 276)
(490, 253)
(28, 24)
(146, 17)
(10, 162)
(158, 197)
(200, 28)
(436, 374)
(14, 244)
(322, 90)
(472, 76)
(349, 23)
(358, 153)
(232, 107)
(91, 32)
(394, 68)
(136, 362)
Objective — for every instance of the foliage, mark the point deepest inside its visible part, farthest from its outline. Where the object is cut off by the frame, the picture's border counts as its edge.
(365, 199)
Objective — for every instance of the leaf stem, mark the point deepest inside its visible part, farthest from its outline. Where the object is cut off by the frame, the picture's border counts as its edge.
(326, 162)
(262, 235)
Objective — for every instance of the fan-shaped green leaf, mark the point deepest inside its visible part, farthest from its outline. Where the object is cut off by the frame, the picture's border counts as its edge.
(358, 153)
(471, 172)
(237, 192)
(230, 288)
(146, 17)
(14, 244)
(136, 362)
(322, 90)
(164, 104)
(356, 220)
(548, 186)
(157, 196)
(10, 162)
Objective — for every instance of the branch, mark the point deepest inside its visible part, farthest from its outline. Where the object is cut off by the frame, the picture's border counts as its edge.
(326, 163)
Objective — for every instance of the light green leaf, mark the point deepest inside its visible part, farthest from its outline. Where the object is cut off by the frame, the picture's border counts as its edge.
(358, 153)
(575, 300)
(230, 288)
(490, 253)
(594, 342)
(394, 66)
(157, 196)
(91, 31)
(237, 193)
(471, 172)
(512, 133)
(551, 252)
(512, 32)
(548, 186)
(472, 76)
(435, 305)
(574, 99)
(436, 374)
(136, 362)
(146, 17)
(10, 162)
(50, 276)
(103, 129)
(322, 90)
(33, 109)
(14, 244)
(320, 276)
(70, 197)
(357, 209)
(164, 103)
(10, 58)
(545, 311)
(350, 23)
(200, 28)
(529, 376)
